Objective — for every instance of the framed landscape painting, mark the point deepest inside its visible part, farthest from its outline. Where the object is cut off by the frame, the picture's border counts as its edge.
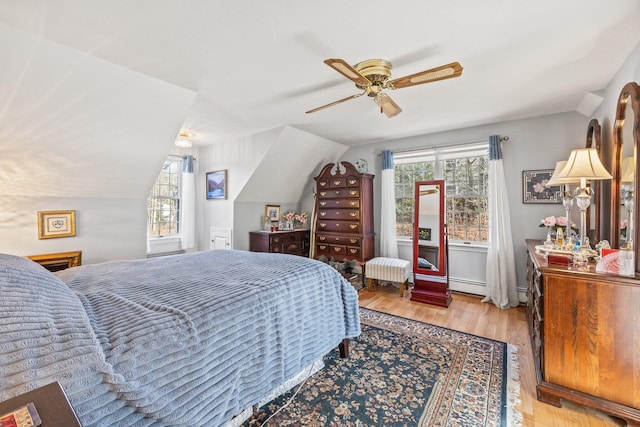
(217, 184)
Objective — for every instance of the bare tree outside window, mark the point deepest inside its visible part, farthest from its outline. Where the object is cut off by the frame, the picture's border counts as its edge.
(163, 204)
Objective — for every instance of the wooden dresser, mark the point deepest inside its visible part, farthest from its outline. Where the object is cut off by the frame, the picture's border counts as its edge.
(58, 261)
(584, 334)
(294, 242)
(344, 214)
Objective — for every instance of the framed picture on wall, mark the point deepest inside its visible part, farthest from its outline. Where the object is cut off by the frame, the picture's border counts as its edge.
(534, 189)
(52, 224)
(217, 184)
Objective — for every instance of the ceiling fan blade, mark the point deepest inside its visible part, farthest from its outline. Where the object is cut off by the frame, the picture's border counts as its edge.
(335, 102)
(387, 105)
(427, 76)
(348, 71)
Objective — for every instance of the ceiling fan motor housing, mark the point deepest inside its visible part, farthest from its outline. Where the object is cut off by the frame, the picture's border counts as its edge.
(377, 71)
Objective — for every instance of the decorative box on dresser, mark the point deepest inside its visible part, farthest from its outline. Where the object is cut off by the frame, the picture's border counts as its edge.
(584, 335)
(293, 242)
(344, 214)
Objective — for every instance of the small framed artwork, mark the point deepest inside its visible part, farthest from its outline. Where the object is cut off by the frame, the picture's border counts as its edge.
(217, 184)
(272, 212)
(52, 224)
(424, 234)
(534, 189)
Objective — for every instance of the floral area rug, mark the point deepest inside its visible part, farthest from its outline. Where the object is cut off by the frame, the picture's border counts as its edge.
(402, 372)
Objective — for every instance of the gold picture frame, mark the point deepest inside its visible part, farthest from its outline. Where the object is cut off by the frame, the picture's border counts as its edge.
(54, 224)
(272, 212)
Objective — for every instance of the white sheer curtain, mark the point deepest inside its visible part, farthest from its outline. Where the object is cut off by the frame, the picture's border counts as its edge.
(388, 241)
(501, 268)
(188, 201)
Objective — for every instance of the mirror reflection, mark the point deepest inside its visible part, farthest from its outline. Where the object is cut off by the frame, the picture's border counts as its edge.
(626, 137)
(627, 179)
(429, 227)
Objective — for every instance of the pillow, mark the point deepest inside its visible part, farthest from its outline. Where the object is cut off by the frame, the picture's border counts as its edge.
(423, 263)
(45, 334)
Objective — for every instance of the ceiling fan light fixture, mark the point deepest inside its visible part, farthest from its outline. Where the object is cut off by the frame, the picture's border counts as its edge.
(183, 139)
(387, 106)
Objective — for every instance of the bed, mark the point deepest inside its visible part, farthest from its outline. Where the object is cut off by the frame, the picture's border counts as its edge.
(189, 339)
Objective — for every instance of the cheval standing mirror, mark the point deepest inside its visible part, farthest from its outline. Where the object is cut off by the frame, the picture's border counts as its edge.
(430, 245)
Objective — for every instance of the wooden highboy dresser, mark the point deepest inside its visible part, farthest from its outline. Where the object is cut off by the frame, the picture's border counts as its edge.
(344, 214)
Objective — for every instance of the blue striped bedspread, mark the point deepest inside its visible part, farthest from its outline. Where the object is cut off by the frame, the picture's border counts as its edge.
(184, 340)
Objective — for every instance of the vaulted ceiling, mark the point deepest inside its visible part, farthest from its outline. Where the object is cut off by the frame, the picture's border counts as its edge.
(255, 66)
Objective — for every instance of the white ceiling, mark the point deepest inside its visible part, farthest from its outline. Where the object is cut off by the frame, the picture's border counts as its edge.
(258, 65)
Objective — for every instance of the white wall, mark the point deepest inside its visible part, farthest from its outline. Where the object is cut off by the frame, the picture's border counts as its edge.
(272, 167)
(79, 133)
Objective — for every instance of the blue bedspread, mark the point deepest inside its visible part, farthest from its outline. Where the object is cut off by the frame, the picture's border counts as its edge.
(183, 340)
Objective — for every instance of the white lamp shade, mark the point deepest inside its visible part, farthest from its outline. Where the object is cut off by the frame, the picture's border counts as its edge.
(583, 164)
(628, 170)
(555, 180)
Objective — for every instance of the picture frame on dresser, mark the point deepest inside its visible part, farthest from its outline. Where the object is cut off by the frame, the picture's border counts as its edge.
(273, 212)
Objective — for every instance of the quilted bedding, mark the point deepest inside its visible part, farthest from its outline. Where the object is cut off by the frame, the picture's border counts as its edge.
(182, 340)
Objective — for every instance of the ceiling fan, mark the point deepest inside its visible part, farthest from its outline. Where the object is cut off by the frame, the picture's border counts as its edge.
(373, 75)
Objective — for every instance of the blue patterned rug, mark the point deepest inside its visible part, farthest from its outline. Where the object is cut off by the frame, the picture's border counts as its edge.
(401, 372)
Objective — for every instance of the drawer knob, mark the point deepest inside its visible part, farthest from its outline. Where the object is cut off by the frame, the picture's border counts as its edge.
(353, 240)
(353, 226)
(322, 238)
(352, 181)
(353, 251)
(337, 249)
(323, 193)
(353, 214)
(322, 224)
(322, 213)
(353, 193)
(336, 182)
(323, 247)
(354, 203)
(323, 203)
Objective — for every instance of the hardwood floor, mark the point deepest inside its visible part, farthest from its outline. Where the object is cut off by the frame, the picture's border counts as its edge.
(468, 314)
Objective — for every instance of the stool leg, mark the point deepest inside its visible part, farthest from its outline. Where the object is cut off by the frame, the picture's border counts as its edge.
(401, 289)
(369, 283)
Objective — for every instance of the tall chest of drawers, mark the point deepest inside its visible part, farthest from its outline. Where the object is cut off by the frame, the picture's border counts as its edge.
(344, 214)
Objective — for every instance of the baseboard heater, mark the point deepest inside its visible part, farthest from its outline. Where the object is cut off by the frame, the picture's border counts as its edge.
(155, 255)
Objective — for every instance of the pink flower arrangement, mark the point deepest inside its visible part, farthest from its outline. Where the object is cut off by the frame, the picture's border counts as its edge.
(301, 218)
(297, 218)
(555, 222)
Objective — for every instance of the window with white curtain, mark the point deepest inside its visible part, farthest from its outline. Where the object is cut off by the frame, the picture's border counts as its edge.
(464, 169)
(163, 204)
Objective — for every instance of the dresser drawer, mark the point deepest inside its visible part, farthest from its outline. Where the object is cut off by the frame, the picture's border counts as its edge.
(339, 203)
(339, 240)
(340, 226)
(279, 239)
(338, 250)
(349, 214)
(339, 193)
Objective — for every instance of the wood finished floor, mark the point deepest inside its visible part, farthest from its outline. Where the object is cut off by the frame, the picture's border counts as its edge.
(468, 314)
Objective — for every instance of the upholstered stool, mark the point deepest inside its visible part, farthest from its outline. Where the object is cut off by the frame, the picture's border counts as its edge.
(388, 270)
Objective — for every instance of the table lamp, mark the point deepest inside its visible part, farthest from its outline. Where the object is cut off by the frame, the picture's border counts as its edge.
(567, 197)
(584, 164)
